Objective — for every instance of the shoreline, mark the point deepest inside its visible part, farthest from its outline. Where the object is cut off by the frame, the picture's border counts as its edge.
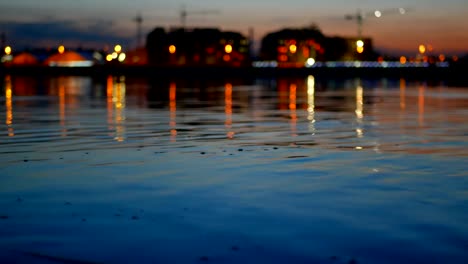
(452, 74)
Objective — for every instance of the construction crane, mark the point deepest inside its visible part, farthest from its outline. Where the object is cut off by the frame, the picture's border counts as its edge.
(184, 13)
(359, 16)
(139, 21)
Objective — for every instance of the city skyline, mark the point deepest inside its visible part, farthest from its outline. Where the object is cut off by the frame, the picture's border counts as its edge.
(97, 24)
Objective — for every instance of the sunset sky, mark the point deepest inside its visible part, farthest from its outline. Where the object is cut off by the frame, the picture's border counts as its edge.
(96, 23)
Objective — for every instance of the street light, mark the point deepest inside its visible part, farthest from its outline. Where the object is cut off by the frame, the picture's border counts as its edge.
(422, 49)
(118, 48)
(7, 50)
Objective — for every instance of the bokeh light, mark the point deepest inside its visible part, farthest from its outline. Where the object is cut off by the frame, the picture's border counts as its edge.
(172, 49)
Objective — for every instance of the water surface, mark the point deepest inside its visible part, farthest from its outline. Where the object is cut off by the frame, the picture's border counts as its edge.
(125, 170)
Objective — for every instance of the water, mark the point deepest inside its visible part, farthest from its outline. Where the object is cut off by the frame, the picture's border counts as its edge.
(127, 170)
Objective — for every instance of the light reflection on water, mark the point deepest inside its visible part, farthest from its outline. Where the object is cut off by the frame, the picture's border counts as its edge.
(287, 170)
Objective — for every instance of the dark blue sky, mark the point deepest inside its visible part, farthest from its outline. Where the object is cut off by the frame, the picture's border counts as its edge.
(95, 23)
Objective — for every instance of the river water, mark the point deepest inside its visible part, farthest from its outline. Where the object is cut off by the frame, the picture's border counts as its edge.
(287, 170)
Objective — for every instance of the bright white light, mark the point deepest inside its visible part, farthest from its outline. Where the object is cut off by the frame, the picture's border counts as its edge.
(402, 11)
(360, 43)
(122, 57)
(377, 13)
(114, 55)
(310, 62)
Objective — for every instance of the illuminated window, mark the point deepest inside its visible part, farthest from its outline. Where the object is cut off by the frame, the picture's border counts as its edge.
(293, 48)
(228, 48)
(172, 49)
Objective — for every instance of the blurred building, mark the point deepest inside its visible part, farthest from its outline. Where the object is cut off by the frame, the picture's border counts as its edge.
(305, 46)
(293, 47)
(197, 47)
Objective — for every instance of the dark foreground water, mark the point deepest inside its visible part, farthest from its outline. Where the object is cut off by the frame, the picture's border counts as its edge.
(121, 170)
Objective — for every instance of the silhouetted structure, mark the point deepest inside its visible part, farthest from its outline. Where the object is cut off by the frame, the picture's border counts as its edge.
(294, 47)
(197, 47)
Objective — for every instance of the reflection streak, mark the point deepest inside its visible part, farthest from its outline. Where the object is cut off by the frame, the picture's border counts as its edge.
(292, 108)
(9, 106)
(173, 111)
(116, 102)
(421, 104)
(311, 102)
(62, 105)
(402, 94)
(228, 109)
(359, 109)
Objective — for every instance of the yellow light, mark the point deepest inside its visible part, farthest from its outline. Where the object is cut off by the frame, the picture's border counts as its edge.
(293, 48)
(228, 48)
(61, 49)
(360, 43)
(7, 50)
(172, 49)
(122, 57)
(403, 59)
(422, 48)
(118, 48)
(114, 55)
(360, 49)
(109, 57)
